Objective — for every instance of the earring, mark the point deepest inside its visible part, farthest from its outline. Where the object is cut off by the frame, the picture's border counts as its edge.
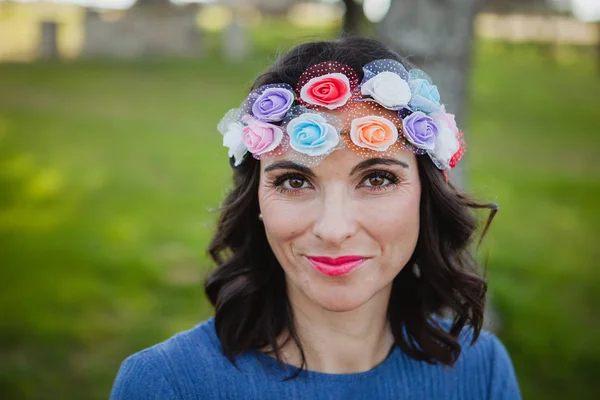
(260, 216)
(416, 271)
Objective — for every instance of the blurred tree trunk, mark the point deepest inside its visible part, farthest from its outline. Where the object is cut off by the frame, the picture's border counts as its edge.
(437, 36)
(152, 3)
(352, 18)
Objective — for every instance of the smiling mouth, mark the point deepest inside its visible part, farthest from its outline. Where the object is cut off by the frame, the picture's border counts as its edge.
(336, 266)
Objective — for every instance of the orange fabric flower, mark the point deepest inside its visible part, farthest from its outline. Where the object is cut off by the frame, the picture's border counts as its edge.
(373, 132)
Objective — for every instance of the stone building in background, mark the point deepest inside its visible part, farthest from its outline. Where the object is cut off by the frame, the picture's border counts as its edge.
(149, 28)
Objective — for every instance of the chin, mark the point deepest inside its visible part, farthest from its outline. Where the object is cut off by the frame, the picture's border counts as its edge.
(341, 299)
(340, 293)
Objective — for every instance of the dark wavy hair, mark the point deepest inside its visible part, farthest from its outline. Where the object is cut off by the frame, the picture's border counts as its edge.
(248, 288)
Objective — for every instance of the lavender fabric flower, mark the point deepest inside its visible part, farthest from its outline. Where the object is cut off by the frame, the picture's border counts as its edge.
(420, 130)
(273, 104)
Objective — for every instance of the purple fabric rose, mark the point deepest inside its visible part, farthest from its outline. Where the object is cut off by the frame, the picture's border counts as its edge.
(420, 130)
(273, 104)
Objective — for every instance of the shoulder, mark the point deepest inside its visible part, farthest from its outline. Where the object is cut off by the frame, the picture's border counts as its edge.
(488, 365)
(487, 350)
(168, 369)
(198, 347)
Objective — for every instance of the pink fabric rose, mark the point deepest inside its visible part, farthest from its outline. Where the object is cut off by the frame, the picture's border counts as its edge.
(449, 120)
(446, 142)
(330, 90)
(260, 137)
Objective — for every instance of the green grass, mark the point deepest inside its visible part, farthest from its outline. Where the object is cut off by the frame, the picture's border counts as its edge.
(108, 172)
(535, 145)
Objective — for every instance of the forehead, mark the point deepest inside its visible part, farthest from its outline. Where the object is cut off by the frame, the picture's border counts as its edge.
(339, 161)
(359, 109)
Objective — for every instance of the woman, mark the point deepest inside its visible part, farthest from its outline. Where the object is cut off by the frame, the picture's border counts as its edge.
(339, 248)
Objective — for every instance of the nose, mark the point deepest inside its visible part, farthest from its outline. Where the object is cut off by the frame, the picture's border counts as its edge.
(336, 220)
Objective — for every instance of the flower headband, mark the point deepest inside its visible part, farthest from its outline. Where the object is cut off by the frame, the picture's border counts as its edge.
(390, 110)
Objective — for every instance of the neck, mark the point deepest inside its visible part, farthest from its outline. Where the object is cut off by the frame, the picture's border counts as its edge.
(340, 342)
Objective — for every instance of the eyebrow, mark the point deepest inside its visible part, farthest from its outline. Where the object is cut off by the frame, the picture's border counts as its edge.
(290, 165)
(357, 168)
(376, 161)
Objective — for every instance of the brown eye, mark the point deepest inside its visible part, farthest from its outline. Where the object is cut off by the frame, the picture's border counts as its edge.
(292, 184)
(380, 180)
(296, 183)
(376, 181)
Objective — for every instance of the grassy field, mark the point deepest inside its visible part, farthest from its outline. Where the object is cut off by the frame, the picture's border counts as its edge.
(109, 172)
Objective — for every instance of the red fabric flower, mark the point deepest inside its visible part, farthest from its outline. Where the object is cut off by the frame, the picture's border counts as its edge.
(461, 150)
(330, 90)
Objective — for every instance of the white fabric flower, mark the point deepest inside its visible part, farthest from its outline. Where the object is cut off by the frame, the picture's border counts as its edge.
(446, 144)
(388, 89)
(233, 139)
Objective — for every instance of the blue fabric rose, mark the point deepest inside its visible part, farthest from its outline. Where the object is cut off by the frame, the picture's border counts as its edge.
(311, 134)
(425, 95)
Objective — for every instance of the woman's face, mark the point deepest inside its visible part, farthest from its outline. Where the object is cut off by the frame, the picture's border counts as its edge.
(344, 229)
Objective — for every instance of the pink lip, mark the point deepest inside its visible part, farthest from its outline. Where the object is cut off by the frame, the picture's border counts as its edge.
(336, 266)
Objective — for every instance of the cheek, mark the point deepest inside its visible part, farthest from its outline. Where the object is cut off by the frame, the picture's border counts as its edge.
(284, 219)
(397, 228)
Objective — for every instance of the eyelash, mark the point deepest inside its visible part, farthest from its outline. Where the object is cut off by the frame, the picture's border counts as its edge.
(393, 181)
(280, 180)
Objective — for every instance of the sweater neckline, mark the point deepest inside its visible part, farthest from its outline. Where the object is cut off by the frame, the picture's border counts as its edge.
(288, 370)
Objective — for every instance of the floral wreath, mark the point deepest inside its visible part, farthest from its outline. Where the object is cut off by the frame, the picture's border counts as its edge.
(390, 110)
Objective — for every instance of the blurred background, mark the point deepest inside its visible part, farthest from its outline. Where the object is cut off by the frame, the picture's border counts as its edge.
(111, 167)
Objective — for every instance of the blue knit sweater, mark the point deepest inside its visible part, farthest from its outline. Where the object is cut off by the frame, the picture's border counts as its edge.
(191, 365)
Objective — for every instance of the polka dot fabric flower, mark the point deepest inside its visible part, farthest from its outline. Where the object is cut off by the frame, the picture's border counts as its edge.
(331, 91)
(373, 132)
(329, 85)
(386, 82)
(260, 137)
(420, 130)
(273, 104)
(312, 135)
